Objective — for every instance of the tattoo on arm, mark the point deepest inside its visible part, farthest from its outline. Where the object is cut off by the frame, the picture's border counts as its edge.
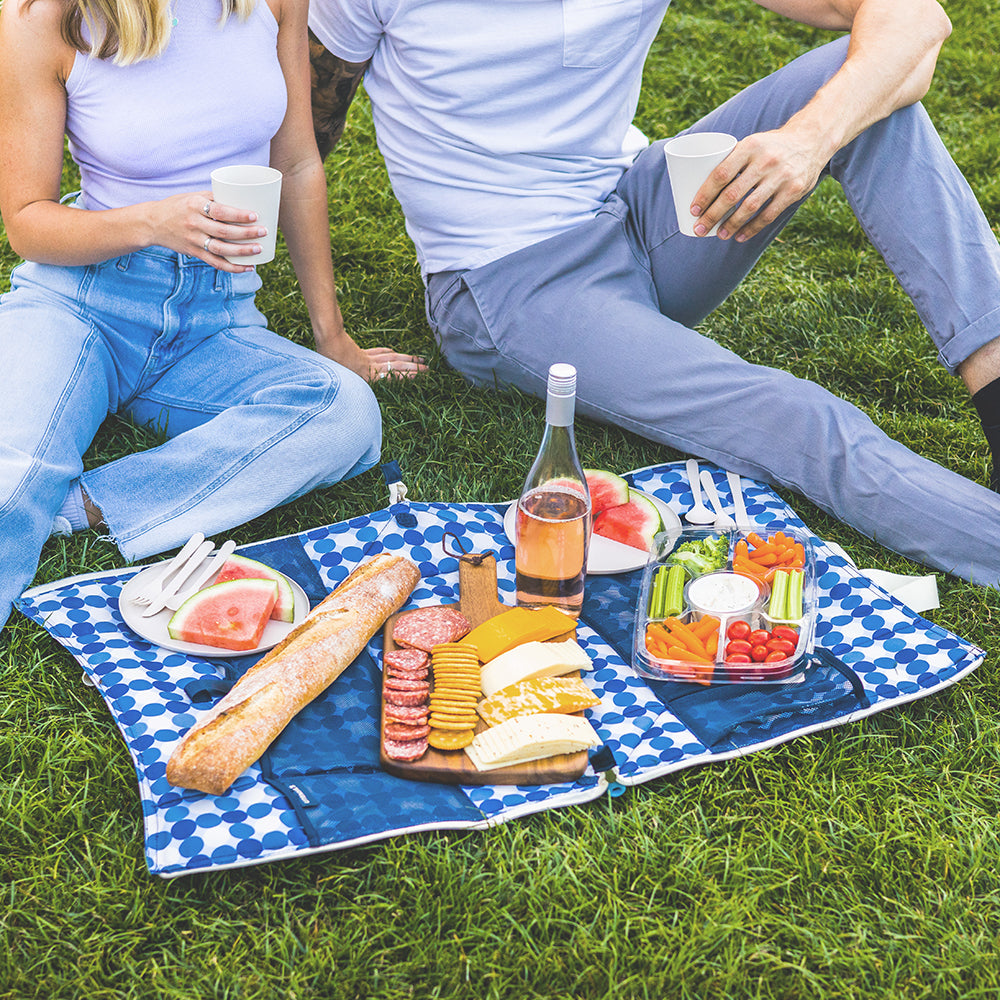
(334, 84)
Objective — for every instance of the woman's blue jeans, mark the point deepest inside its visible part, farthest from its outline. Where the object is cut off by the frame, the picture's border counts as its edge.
(252, 420)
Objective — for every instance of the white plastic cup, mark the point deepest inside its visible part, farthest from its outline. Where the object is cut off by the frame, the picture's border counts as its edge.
(255, 189)
(690, 159)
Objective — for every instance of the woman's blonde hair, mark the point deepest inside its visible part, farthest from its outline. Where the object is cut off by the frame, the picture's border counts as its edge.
(129, 30)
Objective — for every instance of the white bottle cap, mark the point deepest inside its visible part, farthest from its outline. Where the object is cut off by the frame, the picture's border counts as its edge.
(561, 399)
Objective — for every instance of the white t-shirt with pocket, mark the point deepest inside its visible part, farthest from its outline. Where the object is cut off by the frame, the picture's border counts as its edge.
(502, 122)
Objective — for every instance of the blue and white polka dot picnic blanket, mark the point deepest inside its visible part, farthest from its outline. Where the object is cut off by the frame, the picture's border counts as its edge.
(320, 787)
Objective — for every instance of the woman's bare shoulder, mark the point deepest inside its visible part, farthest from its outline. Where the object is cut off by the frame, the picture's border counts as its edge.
(33, 30)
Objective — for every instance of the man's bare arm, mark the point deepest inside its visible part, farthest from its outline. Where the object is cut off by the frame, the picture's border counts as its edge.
(334, 84)
(890, 64)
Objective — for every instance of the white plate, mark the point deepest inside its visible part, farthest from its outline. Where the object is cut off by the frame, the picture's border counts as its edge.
(154, 628)
(606, 555)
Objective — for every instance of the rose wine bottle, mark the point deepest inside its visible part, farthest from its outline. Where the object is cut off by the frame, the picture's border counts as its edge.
(553, 513)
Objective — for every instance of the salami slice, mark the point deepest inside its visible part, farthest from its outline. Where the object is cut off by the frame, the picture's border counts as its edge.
(406, 659)
(408, 675)
(408, 751)
(426, 628)
(404, 733)
(401, 684)
(405, 697)
(412, 715)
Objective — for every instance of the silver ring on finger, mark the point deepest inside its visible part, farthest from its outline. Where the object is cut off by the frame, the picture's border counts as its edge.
(204, 246)
(208, 210)
(388, 367)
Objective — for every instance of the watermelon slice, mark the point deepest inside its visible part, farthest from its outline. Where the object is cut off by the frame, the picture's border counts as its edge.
(606, 490)
(634, 523)
(231, 615)
(241, 568)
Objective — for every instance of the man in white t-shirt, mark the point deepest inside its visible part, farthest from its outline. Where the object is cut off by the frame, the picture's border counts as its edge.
(545, 230)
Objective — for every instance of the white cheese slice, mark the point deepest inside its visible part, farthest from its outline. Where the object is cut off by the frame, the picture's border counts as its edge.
(530, 737)
(533, 659)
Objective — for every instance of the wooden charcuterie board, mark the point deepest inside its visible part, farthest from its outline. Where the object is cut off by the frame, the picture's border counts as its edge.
(478, 602)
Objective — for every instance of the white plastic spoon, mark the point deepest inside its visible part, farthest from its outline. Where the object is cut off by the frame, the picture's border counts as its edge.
(723, 522)
(699, 513)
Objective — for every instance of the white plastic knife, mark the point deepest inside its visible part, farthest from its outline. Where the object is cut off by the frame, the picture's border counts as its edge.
(193, 562)
(150, 593)
(211, 567)
(739, 504)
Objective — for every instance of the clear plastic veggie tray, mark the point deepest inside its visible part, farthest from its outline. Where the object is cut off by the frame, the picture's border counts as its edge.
(726, 607)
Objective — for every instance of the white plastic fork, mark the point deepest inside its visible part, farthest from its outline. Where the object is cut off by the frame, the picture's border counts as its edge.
(723, 522)
(156, 586)
(178, 579)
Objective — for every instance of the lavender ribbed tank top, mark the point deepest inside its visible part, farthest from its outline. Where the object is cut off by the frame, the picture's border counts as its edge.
(159, 127)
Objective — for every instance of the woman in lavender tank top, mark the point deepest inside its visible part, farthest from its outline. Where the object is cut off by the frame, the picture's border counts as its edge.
(126, 303)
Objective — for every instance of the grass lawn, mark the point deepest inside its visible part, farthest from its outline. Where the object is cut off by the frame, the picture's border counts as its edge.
(859, 863)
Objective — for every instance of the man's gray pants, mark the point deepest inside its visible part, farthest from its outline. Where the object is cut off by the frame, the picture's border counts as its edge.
(619, 295)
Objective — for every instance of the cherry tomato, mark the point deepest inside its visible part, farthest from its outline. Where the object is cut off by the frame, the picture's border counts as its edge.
(786, 633)
(738, 646)
(737, 658)
(738, 629)
(782, 646)
(776, 657)
(758, 637)
(759, 653)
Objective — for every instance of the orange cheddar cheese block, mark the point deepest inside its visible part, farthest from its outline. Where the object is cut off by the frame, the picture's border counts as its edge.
(537, 696)
(516, 626)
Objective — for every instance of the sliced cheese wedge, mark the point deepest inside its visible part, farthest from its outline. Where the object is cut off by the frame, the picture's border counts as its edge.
(530, 737)
(516, 626)
(539, 695)
(533, 659)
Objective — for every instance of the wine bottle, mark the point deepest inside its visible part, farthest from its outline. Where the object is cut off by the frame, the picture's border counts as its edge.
(553, 513)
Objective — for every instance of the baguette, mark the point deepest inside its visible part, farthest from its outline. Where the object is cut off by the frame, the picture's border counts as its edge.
(243, 724)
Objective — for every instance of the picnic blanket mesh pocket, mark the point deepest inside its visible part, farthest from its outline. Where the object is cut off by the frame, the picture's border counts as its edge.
(326, 763)
(729, 716)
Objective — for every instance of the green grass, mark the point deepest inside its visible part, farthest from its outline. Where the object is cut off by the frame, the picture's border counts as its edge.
(859, 863)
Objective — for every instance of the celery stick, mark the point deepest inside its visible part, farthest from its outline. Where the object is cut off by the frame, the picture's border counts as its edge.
(779, 595)
(673, 596)
(656, 593)
(793, 604)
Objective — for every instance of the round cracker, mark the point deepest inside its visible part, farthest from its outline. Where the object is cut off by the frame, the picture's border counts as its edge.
(455, 704)
(447, 740)
(452, 724)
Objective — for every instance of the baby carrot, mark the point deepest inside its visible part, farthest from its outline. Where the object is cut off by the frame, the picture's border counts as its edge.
(704, 627)
(686, 655)
(748, 566)
(682, 634)
(658, 632)
(712, 644)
